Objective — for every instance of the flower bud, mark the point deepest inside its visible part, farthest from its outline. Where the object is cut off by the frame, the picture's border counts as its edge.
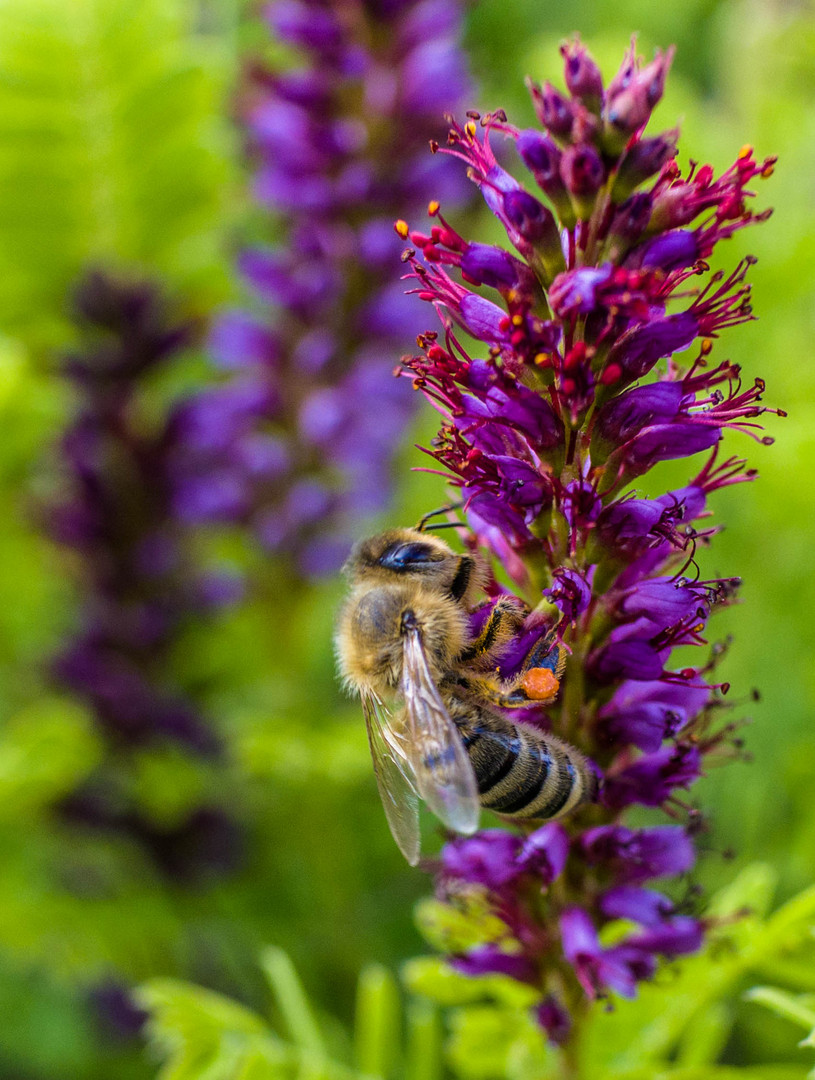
(537, 226)
(583, 173)
(530, 217)
(628, 224)
(553, 110)
(630, 100)
(582, 75)
(541, 156)
(673, 250)
(485, 264)
(643, 160)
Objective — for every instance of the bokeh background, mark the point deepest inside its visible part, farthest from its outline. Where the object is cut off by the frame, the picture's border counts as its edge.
(118, 149)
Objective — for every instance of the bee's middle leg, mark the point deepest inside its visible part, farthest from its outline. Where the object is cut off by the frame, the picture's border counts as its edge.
(537, 682)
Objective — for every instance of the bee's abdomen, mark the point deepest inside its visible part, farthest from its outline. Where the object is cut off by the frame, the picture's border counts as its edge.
(526, 775)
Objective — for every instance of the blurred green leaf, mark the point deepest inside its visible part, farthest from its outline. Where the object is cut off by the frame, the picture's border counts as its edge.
(702, 1042)
(46, 750)
(797, 1007)
(437, 980)
(111, 149)
(423, 1042)
(487, 1042)
(377, 1034)
(292, 1001)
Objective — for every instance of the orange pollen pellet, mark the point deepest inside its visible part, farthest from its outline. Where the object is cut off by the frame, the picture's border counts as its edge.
(401, 228)
(540, 684)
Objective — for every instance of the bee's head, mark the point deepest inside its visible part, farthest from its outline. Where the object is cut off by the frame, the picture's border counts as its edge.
(410, 555)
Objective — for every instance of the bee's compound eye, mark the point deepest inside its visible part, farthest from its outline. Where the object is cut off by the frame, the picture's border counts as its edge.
(406, 556)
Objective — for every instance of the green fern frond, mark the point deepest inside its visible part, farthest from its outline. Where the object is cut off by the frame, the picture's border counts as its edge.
(199, 1035)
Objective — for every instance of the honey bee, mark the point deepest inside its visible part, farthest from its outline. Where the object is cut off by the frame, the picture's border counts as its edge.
(405, 630)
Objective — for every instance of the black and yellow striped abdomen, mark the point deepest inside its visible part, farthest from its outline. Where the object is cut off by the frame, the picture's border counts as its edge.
(523, 773)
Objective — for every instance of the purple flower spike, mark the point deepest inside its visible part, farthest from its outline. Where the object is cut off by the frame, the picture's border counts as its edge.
(675, 937)
(644, 713)
(594, 326)
(652, 778)
(571, 593)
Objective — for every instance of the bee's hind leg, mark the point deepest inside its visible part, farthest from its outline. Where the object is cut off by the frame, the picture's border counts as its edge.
(544, 654)
(541, 672)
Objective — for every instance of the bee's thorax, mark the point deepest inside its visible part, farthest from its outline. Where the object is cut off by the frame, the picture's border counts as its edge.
(373, 623)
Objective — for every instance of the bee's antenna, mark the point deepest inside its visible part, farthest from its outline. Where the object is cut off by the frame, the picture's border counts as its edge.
(424, 527)
(447, 525)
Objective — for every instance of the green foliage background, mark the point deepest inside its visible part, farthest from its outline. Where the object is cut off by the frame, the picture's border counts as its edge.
(116, 149)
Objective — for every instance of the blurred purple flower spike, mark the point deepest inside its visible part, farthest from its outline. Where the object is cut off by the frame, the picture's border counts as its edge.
(338, 147)
(117, 511)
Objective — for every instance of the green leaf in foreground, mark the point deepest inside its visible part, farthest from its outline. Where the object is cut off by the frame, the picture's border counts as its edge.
(201, 1035)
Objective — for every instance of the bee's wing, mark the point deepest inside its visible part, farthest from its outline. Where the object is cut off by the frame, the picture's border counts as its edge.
(391, 769)
(444, 775)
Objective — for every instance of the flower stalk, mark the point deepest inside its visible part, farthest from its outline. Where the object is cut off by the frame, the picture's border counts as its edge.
(595, 328)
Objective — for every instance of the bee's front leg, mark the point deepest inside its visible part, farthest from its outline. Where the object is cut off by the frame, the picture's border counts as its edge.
(504, 622)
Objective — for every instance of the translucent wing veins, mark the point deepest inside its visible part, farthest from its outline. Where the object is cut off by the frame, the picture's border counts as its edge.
(393, 779)
(437, 757)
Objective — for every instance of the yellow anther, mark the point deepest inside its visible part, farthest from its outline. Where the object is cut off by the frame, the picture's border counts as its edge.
(541, 358)
(706, 346)
(433, 207)
(517, 320)
(745, 151)
(401, 228)
(470, 129)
